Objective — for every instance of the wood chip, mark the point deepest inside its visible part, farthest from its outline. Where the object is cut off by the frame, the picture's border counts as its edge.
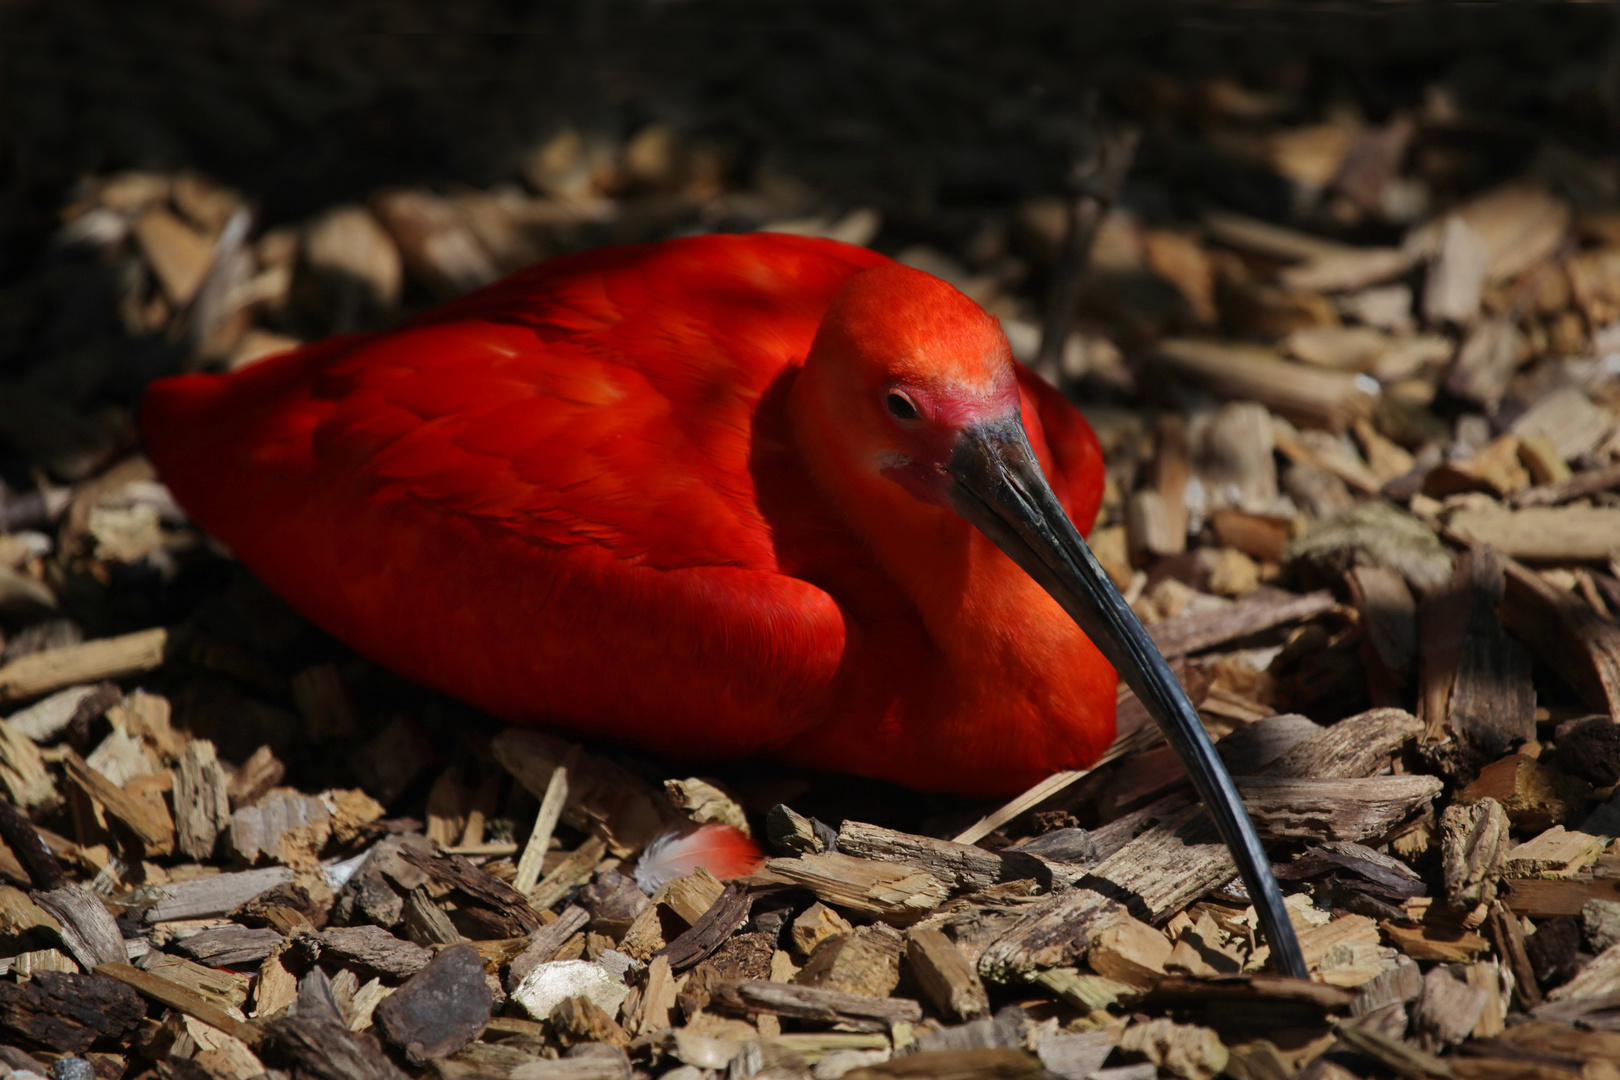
(827, 1006)
(374, 950)
(946, 976)
(1308, 396)
(67, 1012)
(1540, 533)
(145, 822)
(1368, 809)
(175, 996)
(88, 662)
(1567, 634)
(899, 895)
(440, 1009)
(865, 960)
(202, 806)
(1198, 633)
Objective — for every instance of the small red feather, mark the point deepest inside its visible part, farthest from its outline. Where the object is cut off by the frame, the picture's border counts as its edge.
(720, 849)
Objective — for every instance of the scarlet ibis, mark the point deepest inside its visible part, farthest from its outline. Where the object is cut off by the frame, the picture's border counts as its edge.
(717, 496)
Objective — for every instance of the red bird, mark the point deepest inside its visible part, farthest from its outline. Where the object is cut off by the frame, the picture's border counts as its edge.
(717, 496)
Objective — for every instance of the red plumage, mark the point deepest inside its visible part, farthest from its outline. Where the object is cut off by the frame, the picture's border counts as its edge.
(577, 497)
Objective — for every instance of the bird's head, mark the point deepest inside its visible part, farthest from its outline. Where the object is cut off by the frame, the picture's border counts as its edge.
(910, 385)
(911, 367)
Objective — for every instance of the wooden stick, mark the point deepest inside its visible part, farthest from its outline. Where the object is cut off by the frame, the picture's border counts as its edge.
(1581, 484)
(545, 824)
(178, 997)
(86, 662)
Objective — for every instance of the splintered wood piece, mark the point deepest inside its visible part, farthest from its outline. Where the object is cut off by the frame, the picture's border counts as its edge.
(285, 826)
(1163, 870)
(45, 720)
(865, 960)
(1367, 808)
(575, 869)
(257, 775)
(710, 932)
(1457, 274)
(202, 805)
(88, 929)
(544, 942)
(446, 808)
(68, 1012)
(1447, 1011)
(656, 1007)
(1129, 951)
(1566, 633)
(1540, 533)
(1357, 746)
(274, 989)
(374, 950)
(1182, 1049)
(227, 989)
(490, 902)
(145, 821)
(602, 798)
(545, 824)
(1309, 396)
(426, 922)
(324, 703)
(1558, 852)
(1485, 362)
(231, 945)
(87, 662)
(1535, 795)
(1474, 844)
(810, 1003)
(1507, 936)
(816, 924)
(440, 1009)
(157, 988)
(1577, 486)
(322, 1048)
(22, 770)
(220, 894)
(945, 975)
(957, 866)
(580, 1021)
(899, 895)
(1186, 634)
(1601, 976)
(691, 895)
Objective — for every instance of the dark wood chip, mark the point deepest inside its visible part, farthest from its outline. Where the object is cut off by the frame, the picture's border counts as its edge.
(488, 901)
(68, 1013)
(711, 931)
(441, 1008)
(323, 1049)
(373, 950)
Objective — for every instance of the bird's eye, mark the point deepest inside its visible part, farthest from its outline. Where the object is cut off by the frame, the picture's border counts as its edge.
(900, 407)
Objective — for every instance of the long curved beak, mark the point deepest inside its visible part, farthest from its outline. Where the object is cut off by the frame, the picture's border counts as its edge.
(997, 485)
